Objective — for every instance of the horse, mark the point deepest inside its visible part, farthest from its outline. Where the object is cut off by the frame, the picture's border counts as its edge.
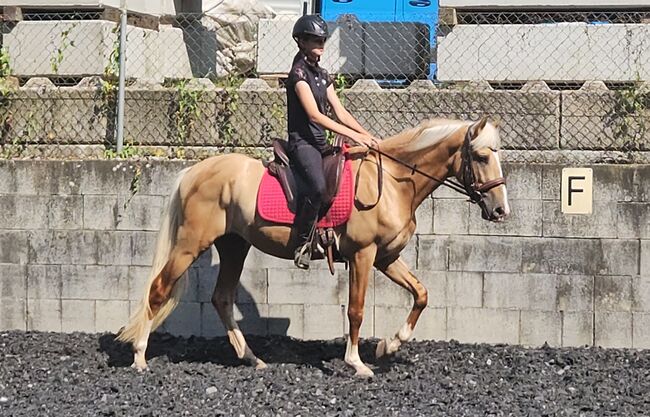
(213, 203)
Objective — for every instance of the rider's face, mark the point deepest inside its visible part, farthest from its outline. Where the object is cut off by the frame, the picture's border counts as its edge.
(314, 46)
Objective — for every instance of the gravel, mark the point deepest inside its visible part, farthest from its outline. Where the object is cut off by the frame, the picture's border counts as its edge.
(89, 375)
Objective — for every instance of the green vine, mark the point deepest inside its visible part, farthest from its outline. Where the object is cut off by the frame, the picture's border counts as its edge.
(108, 96)
(55, 61)
(5, 114)
(5, 67)
(128, 151)
(187, 110)
(340, 82)
(230, 84)
(270, 128)
(630, 116)
(112, 69)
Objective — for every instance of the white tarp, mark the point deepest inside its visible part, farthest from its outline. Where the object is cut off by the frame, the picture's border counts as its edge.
(234, 23)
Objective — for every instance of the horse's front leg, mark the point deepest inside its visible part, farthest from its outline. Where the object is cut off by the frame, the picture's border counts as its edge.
(360, 270)
(399, 273)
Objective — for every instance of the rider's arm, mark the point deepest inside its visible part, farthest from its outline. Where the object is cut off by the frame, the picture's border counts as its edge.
(308, 102)
(342, 113)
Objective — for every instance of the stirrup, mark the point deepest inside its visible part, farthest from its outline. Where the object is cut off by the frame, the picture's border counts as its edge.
(302, 256)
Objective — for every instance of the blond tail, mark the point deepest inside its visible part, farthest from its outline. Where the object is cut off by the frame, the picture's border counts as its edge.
(172, 219)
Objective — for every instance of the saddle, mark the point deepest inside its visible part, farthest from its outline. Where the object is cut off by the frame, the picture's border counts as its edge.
(280, 167)
(291, 183)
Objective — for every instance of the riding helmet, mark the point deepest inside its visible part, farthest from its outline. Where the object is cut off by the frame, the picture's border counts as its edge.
(310, 24)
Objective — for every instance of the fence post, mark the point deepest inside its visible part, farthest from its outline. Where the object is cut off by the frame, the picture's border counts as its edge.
(120, 91)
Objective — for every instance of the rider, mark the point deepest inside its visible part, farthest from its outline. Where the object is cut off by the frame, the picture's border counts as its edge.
(309, 90)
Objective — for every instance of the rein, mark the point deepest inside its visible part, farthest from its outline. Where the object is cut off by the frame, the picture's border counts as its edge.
(380, 180)
(469, 186)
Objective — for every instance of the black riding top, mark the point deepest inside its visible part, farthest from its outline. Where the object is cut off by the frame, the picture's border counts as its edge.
(302, 131)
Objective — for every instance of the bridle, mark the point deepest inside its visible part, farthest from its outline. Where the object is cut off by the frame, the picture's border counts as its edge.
(474, 189)
(468, 185)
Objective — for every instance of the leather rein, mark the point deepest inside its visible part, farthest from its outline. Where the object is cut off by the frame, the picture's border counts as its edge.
(469, 186)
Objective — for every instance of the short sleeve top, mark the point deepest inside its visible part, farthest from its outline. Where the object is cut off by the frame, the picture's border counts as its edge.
(302, 131)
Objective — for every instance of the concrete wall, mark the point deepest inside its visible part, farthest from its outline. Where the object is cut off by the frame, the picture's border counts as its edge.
(84, 47)
(75, 249)
(368, 49)
(555, 52)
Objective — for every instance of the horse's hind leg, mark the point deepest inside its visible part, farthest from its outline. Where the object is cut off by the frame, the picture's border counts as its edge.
(158, 302)
(399, 273)
(232, 253)
(163, 297)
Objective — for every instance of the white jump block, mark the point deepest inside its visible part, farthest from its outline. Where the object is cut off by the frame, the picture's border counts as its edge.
(276, 47)
(150, 7)
(552, 52)
(82, 48)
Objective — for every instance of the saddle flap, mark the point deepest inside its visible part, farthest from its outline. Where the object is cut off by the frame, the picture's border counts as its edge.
(333, 167)
(280, 151)
(279, 167)
(287, 182)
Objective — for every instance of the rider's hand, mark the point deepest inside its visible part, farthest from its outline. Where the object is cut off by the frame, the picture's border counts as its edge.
(366, 140)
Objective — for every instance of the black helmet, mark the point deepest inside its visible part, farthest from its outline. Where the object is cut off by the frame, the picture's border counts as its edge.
(310, 24)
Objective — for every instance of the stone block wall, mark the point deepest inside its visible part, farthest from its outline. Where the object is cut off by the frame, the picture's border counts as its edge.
(76, 243)
(198, 114)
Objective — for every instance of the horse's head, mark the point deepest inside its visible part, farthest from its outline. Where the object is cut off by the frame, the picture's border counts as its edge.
(478, 168)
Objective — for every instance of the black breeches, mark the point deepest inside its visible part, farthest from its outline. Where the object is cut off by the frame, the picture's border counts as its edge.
(309, 164)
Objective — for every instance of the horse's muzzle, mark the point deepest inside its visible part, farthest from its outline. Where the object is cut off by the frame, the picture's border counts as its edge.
(498, 214)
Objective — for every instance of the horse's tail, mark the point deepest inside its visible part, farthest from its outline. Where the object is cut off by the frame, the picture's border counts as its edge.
(141, 321)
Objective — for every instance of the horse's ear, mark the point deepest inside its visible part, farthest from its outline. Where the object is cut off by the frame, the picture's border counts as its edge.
(476, 128)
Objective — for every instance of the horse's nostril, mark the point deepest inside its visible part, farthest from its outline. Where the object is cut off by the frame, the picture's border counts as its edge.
(499, 211)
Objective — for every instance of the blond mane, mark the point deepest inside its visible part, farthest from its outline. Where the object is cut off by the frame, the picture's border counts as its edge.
(433, 131)
(489, 138)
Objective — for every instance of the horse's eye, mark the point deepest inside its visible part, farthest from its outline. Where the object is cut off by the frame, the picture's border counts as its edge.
(481, 159)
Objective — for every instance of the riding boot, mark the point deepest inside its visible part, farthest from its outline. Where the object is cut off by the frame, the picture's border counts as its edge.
(305, 224)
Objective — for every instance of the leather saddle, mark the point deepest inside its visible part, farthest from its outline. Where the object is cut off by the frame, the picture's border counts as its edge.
(291, 182)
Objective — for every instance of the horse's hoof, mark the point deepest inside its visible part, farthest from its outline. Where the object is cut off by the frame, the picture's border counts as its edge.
(261, 365)
(364, 372)
(140, 367)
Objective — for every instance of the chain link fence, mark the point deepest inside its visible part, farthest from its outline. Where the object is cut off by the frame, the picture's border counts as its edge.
(563, 86)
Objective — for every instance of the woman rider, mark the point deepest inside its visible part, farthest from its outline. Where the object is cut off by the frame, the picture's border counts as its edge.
(309, 91)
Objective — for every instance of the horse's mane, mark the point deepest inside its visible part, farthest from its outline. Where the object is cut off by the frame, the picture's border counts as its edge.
(433, 131)
(489, 138)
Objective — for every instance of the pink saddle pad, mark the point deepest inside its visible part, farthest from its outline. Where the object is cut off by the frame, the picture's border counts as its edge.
(272, 204)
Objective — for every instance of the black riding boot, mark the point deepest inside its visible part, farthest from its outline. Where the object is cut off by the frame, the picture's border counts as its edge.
(309, 164)
(305, 224)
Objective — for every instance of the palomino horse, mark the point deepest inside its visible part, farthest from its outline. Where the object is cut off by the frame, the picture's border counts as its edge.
(214, 203)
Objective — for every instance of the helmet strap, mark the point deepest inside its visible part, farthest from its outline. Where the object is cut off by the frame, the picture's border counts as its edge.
(311, 59)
